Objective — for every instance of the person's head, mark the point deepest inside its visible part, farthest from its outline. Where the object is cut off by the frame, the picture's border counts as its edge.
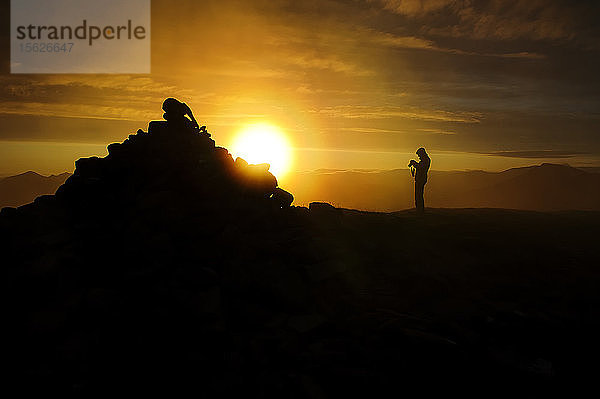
(173, 107)
(421, 152)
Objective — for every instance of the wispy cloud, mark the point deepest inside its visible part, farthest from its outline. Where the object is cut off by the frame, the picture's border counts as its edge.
(392, 131)
(369, 130)
(348, 150)
(371, 112)
(435, 131)
(412, 42)
(328, 62)
(80, 111)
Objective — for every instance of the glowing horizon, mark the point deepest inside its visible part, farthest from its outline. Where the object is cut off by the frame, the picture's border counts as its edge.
(263, 143)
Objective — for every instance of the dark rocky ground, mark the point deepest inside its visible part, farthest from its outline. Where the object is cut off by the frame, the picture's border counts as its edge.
(164, 268)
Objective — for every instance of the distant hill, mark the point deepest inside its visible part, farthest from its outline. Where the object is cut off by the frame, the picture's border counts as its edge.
(591, 169)
(24, 188)
(544, 187)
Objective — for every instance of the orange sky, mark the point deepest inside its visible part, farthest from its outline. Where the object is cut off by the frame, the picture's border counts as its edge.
(354, 84)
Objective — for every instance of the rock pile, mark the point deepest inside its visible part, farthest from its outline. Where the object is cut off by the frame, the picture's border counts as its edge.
(176, 155)
(166, 265)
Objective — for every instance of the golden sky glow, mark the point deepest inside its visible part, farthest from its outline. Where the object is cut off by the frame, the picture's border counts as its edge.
(353, 84)
(263, 143)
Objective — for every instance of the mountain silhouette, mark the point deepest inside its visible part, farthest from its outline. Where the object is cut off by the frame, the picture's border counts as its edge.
(546, 187)
(24, 188)
(169, 268)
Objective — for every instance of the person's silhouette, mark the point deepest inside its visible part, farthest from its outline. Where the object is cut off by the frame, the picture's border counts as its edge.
(176, 113)
(419, 171)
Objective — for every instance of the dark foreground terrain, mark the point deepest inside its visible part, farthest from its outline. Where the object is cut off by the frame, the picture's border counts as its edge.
(167, 267)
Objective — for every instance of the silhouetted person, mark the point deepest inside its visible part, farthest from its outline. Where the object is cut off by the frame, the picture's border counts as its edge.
(176, 112)
(419, 171)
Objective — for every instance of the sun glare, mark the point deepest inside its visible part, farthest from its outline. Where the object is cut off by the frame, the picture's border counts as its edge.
(263, 143)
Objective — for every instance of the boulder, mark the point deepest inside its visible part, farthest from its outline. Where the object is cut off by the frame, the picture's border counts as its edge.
(282, 198)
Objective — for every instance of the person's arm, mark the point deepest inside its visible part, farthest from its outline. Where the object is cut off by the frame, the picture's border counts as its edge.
(189, 113)
(415, 164)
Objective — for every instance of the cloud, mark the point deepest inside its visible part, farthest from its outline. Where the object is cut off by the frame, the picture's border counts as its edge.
(82, 89)
(108, 97)
(348, 150)
(79, 111)
(129, 83)
(329, 62)
(391, 40)
(393, 131)
(412, 42)
(435, 131)
(499, 19)
(535, 154)
(416, 7)
(374, 112)
(368, 130)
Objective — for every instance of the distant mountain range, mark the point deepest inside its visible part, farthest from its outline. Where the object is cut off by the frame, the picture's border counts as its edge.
(545, 187)
(24, 188)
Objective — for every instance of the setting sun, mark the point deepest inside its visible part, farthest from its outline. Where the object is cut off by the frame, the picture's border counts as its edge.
(263, 143)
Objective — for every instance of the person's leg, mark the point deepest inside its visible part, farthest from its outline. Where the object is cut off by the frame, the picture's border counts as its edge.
(419, 200)
(423, 196)
(416, 196)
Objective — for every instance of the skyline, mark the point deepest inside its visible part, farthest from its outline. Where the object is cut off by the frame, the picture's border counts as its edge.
(353, 84)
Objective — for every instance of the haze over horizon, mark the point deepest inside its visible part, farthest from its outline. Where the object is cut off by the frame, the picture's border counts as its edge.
(352, 84)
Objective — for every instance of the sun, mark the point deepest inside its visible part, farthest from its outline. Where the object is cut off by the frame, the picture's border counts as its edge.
(263, 143)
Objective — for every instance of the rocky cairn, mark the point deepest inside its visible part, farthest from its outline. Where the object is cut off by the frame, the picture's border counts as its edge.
(164, 266)
(174, 157)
